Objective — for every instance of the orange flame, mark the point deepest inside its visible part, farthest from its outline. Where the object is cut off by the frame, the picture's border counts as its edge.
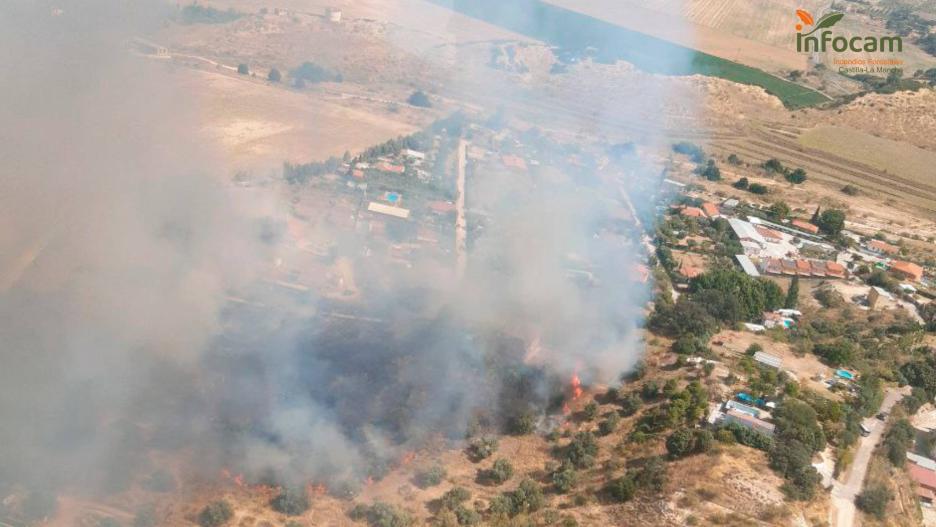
(576, 386)
(237, 480)
(566, 410)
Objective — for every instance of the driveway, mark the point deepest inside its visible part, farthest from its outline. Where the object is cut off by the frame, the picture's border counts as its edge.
(842, 512)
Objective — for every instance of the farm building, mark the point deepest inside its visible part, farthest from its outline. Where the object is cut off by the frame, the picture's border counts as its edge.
(767, 359)
(805, 226)
(397, 212)
(747, 265)
(882, 248)
(908, 270)
(749, 421)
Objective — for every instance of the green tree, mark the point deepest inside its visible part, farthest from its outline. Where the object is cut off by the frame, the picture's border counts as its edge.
(274, 75)
(780, 209)
(792, 296)
(680, 443)
(243, 69)
(741, 184)
(831, 221)
(711, 171)
(898, 439)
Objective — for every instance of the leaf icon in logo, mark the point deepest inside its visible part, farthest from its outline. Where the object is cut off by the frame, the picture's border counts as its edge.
(805, 16)
(826, 22)
(829, 20)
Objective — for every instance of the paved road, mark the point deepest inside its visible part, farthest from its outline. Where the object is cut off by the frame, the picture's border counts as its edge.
(842, 512)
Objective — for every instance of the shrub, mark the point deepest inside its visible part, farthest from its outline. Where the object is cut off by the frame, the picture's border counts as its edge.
(622, 489)
(274, 75)
(381, 515)
(873, 500)
(430, 477)
(757, 188)
(243, 69)
(454, 497)
(420, 99)
(564, 477)
(609, 424)
(522, 424)
(631, 403)
(591, 411)
(500, 472)
(482, 448)
(733, 159)
(653, 474)
(215, 514)
(741, 184)
(796, 176)
(582, 450)
(291, 502)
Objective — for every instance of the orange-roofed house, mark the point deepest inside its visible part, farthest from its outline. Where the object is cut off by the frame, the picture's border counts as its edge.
(907, 270)
(805, 226)
(803, 268)
(514, 162)
(835, 269)
(882, 247)
(925, 478)
(711, 210)
(692, 212)
(388, 167)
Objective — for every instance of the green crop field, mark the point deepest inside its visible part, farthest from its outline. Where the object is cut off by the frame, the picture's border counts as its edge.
(575, 34)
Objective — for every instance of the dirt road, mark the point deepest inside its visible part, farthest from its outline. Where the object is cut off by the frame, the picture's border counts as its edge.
(461, 226)
(842, 512)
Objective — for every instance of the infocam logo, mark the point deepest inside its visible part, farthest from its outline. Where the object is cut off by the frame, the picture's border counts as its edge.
(809, 42)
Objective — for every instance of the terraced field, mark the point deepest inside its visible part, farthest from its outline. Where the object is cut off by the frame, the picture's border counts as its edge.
(783, 143)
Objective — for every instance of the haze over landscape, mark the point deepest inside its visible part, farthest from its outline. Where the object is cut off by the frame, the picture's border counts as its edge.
(420, 262)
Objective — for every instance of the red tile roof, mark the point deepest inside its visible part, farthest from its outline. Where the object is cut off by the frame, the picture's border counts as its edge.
(884, 247)
(387, 167)
(835, 269)
(692, 212)
(805, 226)
(710, 209)
(924, 476)
(909, 269)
